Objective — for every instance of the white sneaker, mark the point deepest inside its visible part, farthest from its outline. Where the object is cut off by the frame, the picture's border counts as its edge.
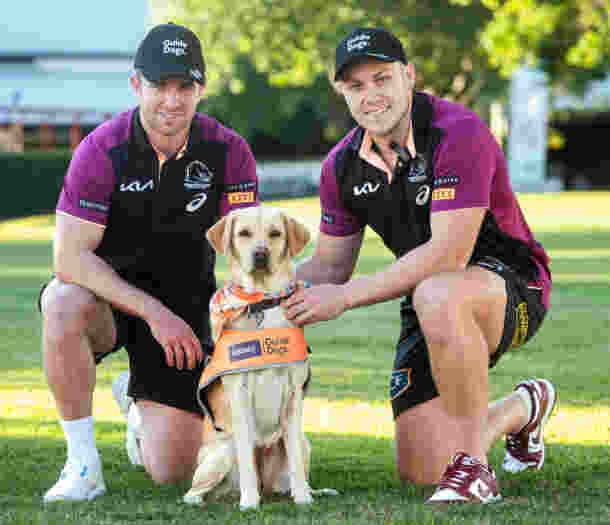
(77, 483)
(119, 392)
(132, 441)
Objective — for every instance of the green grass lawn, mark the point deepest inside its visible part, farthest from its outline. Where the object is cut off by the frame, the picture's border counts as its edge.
(347, 416)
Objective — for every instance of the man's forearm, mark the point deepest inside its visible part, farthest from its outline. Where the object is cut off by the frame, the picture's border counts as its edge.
(90, 271)
(317, 272)
(398, 279)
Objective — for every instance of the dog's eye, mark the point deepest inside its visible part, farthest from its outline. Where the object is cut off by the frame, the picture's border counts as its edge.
(275, 233)
(244, 233)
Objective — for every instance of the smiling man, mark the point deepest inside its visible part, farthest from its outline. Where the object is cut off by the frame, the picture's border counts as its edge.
(428, 176)
(133, 268)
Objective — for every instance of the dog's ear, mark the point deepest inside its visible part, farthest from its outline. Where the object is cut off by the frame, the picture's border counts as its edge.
(219, 234)
(297, 234)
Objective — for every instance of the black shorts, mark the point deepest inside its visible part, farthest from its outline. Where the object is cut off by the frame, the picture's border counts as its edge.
(412, 382)
(150, 377)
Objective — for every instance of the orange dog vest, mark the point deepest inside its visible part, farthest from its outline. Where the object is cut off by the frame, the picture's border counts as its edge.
(246, 350)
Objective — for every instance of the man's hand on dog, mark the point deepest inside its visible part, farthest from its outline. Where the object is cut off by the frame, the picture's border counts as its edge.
(318, 303)
(178, 340)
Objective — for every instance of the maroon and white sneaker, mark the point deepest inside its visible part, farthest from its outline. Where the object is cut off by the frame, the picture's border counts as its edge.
(466, 480)
(525, 449)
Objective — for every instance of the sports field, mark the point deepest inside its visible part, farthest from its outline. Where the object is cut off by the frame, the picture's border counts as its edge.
(347, 417)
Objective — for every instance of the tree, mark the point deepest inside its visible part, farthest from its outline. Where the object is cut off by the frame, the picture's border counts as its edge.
(294, 42)
(464, 50)
(569, 39)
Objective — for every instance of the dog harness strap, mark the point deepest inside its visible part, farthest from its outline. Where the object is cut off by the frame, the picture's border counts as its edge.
(273, 300)
(231, 301)
(265, 304)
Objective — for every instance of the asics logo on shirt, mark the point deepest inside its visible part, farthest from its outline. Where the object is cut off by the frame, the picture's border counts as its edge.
(423, 194)
(197, 202)
(365, 189)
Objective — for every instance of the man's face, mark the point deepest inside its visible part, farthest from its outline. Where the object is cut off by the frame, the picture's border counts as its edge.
(167, 107)
(378, 94)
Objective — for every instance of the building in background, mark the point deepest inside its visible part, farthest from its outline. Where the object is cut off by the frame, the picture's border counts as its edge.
(555, 137)
(580, 125)
(64, 68)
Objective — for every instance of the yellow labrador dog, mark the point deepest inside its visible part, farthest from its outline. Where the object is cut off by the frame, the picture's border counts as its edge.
(252, 390)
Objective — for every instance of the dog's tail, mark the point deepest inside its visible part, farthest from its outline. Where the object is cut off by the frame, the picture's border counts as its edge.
(215, 461)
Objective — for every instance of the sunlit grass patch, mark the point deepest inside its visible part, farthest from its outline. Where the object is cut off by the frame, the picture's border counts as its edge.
(29, 229)
(22, 410)
(578, 425)
(568, 211)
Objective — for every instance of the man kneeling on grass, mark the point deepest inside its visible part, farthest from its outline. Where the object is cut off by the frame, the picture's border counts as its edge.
(134, 269)
(427, 175)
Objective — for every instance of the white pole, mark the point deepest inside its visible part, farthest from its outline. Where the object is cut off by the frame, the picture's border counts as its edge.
(527, 144)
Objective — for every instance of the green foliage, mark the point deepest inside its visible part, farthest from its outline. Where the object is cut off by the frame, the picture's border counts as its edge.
(570, 39)
(295, 42)
(292, 119)
(32, 182)
(458, 46)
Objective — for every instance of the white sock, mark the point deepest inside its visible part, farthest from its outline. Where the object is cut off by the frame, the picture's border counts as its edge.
(527, 399)
(134, 419)
(81, 441)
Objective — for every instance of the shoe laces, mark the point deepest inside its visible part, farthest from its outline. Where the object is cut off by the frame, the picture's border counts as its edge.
(457, 474)
(515, 448)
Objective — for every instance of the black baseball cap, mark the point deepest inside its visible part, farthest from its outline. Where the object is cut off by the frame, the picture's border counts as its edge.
(170, 50)
(368, 42)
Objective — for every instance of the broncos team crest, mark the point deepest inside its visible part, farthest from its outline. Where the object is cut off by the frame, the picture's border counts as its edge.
(198, 178)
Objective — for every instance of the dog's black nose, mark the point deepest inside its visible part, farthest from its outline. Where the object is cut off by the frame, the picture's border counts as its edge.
(261, 258)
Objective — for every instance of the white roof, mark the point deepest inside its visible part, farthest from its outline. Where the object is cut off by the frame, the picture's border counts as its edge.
(32, 95)
(69, 59)
(37, 27)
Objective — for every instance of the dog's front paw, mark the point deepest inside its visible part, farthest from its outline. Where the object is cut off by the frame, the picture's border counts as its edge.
(302, 497)
(325, 492)
(192, 499)
(249, 502)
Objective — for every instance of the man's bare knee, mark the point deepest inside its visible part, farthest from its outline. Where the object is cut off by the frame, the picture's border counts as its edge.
(164, 474)
(164, 477)
(409, 476)
(71, 312)
(418, 465)
(424, 443)
(171, 439)
(67, 308)
(436, 306)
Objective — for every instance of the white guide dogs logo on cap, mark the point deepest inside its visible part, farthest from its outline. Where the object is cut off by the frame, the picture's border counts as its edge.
(358, 42)
(175, 47)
